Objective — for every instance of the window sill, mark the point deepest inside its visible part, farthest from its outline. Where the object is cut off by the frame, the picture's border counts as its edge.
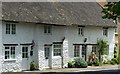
(9, 60)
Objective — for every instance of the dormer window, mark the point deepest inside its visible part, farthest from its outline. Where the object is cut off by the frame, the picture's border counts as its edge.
(10, 28)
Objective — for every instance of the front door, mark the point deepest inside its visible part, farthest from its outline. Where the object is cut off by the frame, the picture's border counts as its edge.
(47, 56)
(84, 51)
(25, 58)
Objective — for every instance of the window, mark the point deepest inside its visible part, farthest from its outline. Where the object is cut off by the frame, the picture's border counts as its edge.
(94, 49)
(9, 52)
(83, 50)
(46, 52)
(13, 29)
(24, 52)
(31, 51)
(105, 31)
(7, 28)
(76, 51)
(57, 49)
(47, 29)
(81, 31)
(10, 28)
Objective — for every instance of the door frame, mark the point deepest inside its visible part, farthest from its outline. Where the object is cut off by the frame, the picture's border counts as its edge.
(50, 55)
(28, 57)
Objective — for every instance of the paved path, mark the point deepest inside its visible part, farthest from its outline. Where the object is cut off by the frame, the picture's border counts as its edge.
(90, 70)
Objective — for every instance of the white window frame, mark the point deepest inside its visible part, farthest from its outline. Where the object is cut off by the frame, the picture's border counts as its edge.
(47, 29)
(105, 32)
(76, 50)
(25, 53)
(11, 56)
(10, 28)
(81, 31)
(57, 48)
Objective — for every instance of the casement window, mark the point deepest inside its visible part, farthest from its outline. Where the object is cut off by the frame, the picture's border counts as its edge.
(7, 28)
(76, 51)
(9, 52)
(47, 29)
(94, 49)
(81, 31)
(57, 49)
(24, 52)
(10, 28)
(105, 31)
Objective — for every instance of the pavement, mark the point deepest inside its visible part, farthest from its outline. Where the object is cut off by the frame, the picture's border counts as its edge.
(113, 69)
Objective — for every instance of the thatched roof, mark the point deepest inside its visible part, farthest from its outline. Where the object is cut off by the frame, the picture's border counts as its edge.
(59, 13)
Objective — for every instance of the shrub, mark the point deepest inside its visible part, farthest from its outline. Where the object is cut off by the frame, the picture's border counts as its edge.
(112, 62)
(118, 60)
(89, 63)
(32, 66)
(70, 64)
(80, 63)
(97, 62)
(115, 60)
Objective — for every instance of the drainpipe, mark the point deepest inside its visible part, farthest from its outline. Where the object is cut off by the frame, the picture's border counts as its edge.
(62, 53)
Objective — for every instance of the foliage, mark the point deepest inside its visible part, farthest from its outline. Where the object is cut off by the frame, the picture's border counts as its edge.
(104, 59)
(96, 63)
(111, 10)
(112, 62)
(80, 63)
(102, 48)
(70, 64)
(115, 52)
(32, 66)
(115, 60)
(89, 63)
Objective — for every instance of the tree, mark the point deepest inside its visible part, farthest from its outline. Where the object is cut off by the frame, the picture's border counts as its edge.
(102, 48)
(112, 11)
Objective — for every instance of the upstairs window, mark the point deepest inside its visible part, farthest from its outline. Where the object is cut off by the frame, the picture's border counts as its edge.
(47, 29)
(10, 28)
(105, 31)
(7, 28)
(81, 31)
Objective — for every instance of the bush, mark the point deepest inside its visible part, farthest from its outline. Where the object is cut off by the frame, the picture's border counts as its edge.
(70, 64)
(97, 62)
(80, 63)
(32, 66)
(89, 63)
(115, 60)
(112, 62)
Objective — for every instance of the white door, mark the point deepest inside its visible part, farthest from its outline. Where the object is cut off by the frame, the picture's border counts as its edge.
(25, 58)
(47, 56)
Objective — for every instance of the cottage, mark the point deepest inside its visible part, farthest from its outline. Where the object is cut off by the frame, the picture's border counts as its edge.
(51, 33)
